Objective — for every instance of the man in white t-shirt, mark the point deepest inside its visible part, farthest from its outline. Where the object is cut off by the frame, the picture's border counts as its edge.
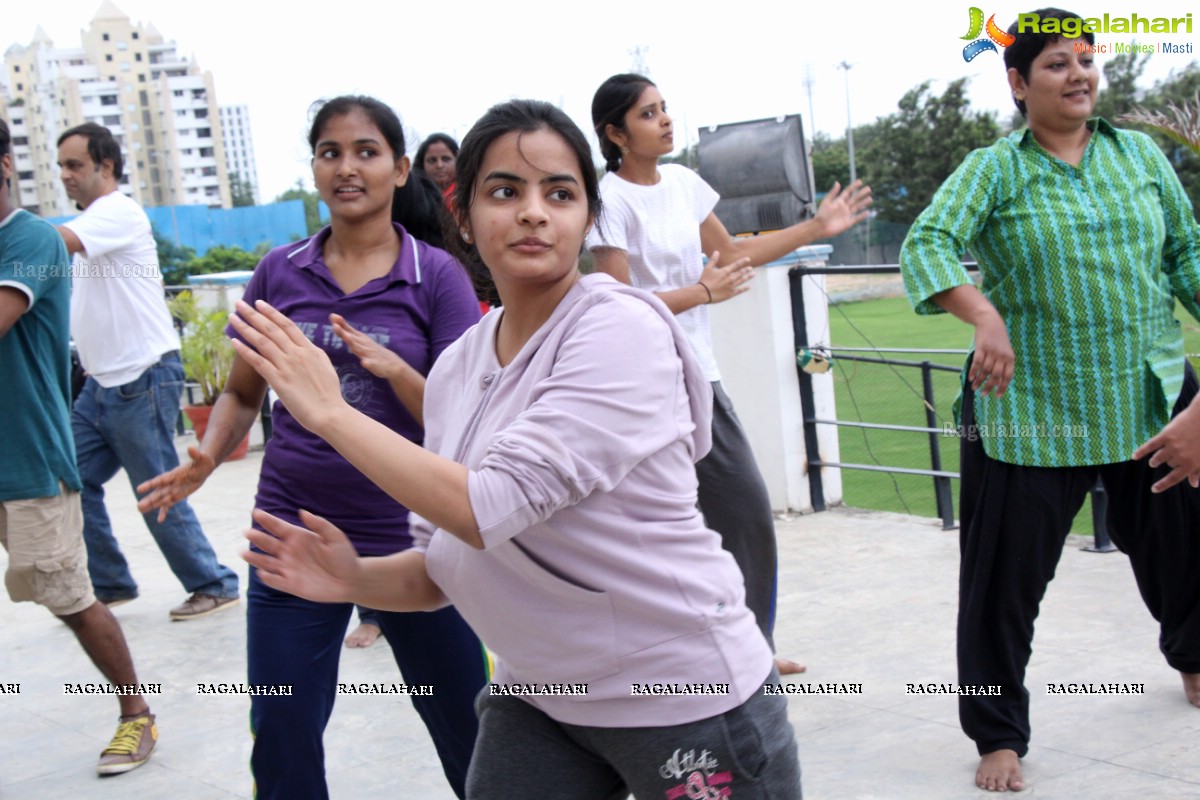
(125, 415)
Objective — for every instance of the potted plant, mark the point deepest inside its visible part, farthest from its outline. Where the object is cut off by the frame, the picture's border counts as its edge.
(207, 359)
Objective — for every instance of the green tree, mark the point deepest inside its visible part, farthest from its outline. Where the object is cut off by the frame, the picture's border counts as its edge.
(222, 259)
(312, 214)
(172, 259)
(688, 156)
(1121, 75)
(907, 155)
(830, 161)
(241, 191)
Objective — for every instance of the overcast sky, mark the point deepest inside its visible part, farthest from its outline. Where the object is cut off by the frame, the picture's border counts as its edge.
(441, 70)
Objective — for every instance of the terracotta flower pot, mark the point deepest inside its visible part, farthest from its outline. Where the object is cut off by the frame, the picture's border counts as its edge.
(199, 418)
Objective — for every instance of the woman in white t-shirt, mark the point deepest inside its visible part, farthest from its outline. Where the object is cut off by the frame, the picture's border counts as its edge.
(658, 222)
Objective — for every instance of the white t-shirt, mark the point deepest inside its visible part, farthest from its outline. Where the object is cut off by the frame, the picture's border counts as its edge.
(119, 316)
(658, 227)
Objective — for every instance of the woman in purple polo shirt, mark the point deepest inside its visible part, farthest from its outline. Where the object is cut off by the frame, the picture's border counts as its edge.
(383, 306)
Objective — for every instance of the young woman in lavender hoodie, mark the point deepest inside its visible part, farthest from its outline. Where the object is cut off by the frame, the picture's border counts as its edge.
(557, 503)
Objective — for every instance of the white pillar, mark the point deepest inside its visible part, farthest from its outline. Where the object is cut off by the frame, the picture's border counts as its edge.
(754, 344)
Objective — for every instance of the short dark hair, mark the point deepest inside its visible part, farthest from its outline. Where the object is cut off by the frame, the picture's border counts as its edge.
(1020, 54)
(610, 104)
(384, 118)
(101, 145)
(523, 116)
(430, 140)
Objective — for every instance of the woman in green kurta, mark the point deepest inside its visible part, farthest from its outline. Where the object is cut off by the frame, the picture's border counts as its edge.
(1085, 239)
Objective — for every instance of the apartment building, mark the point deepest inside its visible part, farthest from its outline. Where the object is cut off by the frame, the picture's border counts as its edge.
(161, 107)
(239, 146)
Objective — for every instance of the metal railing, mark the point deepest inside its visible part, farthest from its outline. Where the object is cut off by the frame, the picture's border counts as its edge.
(941, 478)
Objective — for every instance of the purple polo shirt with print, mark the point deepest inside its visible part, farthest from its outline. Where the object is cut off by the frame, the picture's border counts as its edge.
(417, 310)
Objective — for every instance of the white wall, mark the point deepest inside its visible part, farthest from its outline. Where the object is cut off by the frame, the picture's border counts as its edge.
(753, 341)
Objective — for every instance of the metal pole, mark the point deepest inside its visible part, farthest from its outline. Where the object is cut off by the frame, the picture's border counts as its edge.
(1101, 543)
(812, 448)
(845, 65)
(808, 84)
(941, 486)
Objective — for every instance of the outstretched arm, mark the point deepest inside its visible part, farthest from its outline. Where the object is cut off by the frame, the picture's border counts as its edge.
(839, 211)
(69, 239)
(320, 564)
(306, 382)
(716, 285)
(235, 411)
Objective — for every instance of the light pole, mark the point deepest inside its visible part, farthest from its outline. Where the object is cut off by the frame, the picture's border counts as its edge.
(845, 65)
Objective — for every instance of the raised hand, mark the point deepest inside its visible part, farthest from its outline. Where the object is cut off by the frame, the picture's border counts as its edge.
(171, 487)
(317, 563)
(728, 281)
(299, 371)
(842, 210)
(374, 357)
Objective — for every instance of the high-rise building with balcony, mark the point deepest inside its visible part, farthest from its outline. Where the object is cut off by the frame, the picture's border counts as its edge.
(239, 147)
(161, 107)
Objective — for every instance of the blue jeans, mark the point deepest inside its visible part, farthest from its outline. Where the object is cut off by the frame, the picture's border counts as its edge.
(294, 642)
(133, 427)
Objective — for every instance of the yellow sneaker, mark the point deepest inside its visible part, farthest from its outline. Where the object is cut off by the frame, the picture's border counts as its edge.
(130, 747)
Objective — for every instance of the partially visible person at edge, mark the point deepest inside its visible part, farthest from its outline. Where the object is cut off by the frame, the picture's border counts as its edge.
(41, 521)
(557, 503)
(124, 417)
(383, 306)
(657, 226)
(1085, 240)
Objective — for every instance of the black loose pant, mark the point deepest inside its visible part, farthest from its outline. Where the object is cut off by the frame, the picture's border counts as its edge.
(734, 501)
(1014, 523)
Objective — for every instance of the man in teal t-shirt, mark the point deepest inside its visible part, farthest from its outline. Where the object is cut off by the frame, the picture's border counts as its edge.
(41, 522)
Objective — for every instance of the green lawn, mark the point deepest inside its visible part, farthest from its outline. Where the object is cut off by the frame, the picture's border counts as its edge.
(878, 393)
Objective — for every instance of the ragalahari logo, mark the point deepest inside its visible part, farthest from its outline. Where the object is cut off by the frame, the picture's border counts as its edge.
(994, 33)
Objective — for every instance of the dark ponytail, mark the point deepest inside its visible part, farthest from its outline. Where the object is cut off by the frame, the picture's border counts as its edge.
(610, 104)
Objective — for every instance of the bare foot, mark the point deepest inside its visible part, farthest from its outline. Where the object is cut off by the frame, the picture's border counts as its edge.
(1000, 771)
(362, 636)
(788, 667)
(1191, 687)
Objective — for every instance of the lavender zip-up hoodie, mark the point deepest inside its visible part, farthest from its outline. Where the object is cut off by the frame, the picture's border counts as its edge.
(597, 566)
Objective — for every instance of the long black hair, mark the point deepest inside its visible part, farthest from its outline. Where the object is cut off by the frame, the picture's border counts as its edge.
(610, 104)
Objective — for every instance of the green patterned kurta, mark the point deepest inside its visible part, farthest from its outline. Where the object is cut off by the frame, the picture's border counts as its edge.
(1084, 265)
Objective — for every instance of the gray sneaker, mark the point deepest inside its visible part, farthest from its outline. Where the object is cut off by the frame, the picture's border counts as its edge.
(201, 605)
(131, 745)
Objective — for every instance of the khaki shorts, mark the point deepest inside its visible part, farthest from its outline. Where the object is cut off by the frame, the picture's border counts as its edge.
(47, 559)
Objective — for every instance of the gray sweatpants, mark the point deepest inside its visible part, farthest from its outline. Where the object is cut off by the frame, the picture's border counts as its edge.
(747, 753)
